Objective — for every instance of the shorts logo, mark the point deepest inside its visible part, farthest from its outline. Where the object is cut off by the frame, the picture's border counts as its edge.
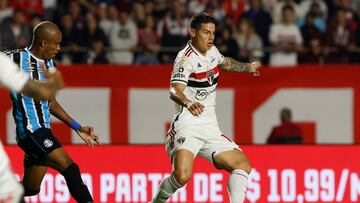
(48, 143)
(181, 140)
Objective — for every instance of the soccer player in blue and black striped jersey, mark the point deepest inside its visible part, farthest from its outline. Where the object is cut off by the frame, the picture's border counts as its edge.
(32, 119)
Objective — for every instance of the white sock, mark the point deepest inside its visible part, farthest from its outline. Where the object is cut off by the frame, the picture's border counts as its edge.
(237, 185)
(167, 187)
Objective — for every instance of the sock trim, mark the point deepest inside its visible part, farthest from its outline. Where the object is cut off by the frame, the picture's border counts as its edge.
(240, 172)
(174, 182)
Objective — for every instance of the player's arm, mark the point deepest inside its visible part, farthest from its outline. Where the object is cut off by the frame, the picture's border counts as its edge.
(44, 90)
(178, 96)
(87, 133)
(16, 80)
(233, 65)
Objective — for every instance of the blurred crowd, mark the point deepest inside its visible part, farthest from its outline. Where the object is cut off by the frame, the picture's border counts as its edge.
(275, 32)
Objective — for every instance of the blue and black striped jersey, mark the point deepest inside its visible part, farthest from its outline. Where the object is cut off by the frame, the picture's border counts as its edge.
(29, 114)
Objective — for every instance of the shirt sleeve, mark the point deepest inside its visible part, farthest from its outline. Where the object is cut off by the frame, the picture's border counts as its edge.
(181, 72)
(220, 58)
(10, 75)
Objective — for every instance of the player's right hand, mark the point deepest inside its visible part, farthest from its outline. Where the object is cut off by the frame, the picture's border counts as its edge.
(195, 108)
(55, 80)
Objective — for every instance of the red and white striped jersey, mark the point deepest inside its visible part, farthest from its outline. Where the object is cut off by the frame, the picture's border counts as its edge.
(201, 74)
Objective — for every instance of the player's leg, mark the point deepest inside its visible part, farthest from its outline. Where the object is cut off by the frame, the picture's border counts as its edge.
(225, 154)
(33, 176)
(236, 163)
(49, 152)
(59, 160)
(183, 160)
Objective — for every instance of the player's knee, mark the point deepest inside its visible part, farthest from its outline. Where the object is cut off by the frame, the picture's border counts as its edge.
(244, 165)
(64, 163)
(182, 176)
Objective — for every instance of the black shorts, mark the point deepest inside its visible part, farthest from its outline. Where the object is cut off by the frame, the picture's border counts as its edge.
(37, 146)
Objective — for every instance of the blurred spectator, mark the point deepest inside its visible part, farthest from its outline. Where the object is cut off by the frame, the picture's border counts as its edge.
(149, 8)
(108, 17)
(355, 56)
(15, 33)
(234, 8)
(34, 20)
(287, 132)
(138, 14)
(261, 20)
(49, 9)
(250, 44)
(277, 13)
(305, 7)
(149, 43)
(161, 9)
(286, 40)
(5, 10)
(196, 6)
(313, 41)
(68, 33)
(319, 17)
(339, 40)
(123, 39)
(173, 30)
(226, 43)
(28, 8)
(96, 53)
(215, 10)
(93, 33)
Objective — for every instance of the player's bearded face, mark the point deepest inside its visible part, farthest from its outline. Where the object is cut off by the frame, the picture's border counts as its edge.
(205, 36)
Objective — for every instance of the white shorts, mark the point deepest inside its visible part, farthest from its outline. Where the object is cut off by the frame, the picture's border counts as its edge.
(206, 141)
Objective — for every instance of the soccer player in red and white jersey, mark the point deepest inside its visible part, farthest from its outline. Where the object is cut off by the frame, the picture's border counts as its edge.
(194, 130)
(12, 78)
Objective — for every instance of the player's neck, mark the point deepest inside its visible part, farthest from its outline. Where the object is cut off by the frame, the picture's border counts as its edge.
(36, 52)
(196, 46)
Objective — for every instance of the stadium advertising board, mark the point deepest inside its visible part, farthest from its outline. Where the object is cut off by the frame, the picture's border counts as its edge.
(294, 174)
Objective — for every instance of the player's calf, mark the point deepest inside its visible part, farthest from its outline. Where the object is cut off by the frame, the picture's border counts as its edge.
(77, 188)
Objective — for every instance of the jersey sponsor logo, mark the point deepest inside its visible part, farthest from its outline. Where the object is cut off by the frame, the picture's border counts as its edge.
(201, 94)
(48, 143)
(179, 75)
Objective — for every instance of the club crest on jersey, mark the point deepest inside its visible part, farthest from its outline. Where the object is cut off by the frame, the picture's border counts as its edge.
(48, 143)
(210, 76)
(181, 140)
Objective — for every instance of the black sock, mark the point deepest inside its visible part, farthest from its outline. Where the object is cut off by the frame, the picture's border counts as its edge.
(77, 188)
(30, 192)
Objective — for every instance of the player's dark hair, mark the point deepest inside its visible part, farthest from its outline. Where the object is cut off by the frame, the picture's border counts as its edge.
(200, 18)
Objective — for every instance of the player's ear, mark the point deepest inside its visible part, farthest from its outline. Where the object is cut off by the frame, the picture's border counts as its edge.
(192, 32)
(43, 43)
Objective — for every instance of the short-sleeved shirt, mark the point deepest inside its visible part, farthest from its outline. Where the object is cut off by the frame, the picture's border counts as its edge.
(200, 74)
(30, 114)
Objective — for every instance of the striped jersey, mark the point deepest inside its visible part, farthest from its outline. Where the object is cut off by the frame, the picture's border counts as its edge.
(29, 114)
(200, 74)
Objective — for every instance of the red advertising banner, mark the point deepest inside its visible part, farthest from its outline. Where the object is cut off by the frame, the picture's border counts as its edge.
(294, 174)
(325, 102)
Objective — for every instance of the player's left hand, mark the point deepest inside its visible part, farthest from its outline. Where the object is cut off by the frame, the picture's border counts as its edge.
(255, 68)
(88, 134)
